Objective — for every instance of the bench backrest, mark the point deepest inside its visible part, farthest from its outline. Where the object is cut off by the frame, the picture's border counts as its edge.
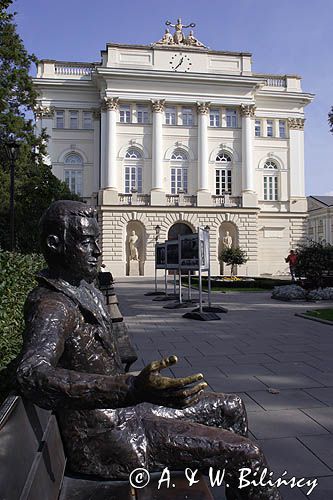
(32, 459)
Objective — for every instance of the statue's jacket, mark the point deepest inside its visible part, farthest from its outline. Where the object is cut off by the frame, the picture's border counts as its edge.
(70, 364)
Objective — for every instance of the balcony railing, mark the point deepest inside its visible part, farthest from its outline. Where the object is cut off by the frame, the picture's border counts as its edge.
(134, 199)
(181, 200)
(279, 81)
(73, 69)
(225, 200)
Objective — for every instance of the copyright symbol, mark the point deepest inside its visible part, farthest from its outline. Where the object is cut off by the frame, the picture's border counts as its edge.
(139, 478)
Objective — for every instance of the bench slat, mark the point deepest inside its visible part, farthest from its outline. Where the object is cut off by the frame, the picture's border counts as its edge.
(46, 474)
(84, 489)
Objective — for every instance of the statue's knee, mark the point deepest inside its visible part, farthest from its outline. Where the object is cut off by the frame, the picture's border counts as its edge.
(236, 403)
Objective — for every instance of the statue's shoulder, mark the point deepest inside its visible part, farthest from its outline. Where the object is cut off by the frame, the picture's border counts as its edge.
(45, 294)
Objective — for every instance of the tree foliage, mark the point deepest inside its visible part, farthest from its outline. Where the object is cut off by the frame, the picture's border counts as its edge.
(233, 257)
(314, 262)
(35, 185)
(330, 119)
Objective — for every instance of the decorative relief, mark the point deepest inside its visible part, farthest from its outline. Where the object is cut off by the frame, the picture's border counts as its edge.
(110, 103)
(203, 108)
(296, 123)
(43, 111)
(96, 112)
(158, 106)
(247, 110)
(179, 38)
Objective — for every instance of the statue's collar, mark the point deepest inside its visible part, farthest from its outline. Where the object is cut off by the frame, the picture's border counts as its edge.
(85, 295)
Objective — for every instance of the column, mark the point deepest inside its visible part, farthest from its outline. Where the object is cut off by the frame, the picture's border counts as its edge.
(296, 165)
(110, 161)
(203, 194)
(96, 113)
(249, 196)
(157, 196)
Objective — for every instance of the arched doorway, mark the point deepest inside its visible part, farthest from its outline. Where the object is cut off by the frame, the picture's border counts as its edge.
(179, 228)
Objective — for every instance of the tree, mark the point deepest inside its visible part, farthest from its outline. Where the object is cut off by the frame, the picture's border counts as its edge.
(233, 257)
(35, 185)
(314, 262)
(330, 119)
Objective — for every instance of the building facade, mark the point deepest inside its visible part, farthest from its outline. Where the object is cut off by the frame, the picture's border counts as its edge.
(167, 137)
(320, 220)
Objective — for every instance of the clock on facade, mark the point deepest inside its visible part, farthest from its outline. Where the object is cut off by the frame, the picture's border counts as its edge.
(180, 62)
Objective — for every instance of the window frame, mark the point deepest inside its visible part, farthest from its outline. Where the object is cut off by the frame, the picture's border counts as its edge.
(125, 113)
(187, 117)
(231, 118)
(60, 114)
(86, 114)
(74, 115)
(214, 118)
(170, 112)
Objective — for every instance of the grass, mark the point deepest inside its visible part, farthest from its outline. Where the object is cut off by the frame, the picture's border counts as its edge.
(321, 314)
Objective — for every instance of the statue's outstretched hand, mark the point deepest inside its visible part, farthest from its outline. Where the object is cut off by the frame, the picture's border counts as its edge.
(150, 386)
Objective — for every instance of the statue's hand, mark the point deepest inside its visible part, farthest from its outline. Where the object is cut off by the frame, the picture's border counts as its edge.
(150, 386)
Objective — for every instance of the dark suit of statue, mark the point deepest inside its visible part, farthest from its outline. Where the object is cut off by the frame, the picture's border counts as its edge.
(109, 424)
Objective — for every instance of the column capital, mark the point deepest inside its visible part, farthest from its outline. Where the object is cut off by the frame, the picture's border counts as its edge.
(158, 106)
(203, 108)
(110, 104)
(247, 110)
(296, 123)
(44, 111)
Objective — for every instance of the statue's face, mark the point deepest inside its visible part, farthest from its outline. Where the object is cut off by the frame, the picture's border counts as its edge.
(81, 250)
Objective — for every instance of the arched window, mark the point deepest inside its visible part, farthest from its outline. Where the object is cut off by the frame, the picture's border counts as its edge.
(271, 184)
(179, 154)
(179, 171)
(133, 170)
(223, 173)
(73, 173)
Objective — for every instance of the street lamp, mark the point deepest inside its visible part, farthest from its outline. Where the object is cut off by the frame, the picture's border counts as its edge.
(12, 150)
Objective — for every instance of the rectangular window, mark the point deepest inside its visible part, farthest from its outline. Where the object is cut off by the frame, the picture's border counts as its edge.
(231, 118)
(269, 128)
(125, 114)
(73, 119)
(170, 116)
(133, 179)
(214, 118)
(142, 114)
(282, 129)
(73, 179)
(178, 179)
(257, 128)
(222, 181)
(87, 120)
(270, 188)
(187, 117)
(60, 119)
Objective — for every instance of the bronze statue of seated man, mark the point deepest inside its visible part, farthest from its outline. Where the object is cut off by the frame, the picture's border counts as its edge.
(112, 422)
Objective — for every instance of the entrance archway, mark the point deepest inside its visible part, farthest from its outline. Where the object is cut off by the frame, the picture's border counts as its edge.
(178, 228)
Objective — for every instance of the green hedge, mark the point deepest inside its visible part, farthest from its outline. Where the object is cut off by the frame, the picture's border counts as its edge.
(17, 273)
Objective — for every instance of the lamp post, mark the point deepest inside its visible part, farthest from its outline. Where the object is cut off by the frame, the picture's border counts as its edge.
(12, 150)
(157, 233)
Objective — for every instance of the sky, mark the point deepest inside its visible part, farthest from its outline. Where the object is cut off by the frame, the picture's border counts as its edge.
(284, 36)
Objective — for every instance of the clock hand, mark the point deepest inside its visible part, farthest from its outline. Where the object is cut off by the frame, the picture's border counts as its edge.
(180, 62)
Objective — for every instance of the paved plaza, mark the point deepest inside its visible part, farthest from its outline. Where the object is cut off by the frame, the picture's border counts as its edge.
(257, 346)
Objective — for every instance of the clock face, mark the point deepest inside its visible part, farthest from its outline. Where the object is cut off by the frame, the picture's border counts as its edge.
(180, 62)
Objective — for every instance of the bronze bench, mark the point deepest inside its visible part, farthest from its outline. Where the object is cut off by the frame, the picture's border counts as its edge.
(33, 462)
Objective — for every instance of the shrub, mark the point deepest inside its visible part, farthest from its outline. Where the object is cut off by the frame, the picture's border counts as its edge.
(17, 273)
(315, 262)
(233, 257)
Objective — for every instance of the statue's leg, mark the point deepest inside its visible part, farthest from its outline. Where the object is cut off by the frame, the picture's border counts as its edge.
(213, 409)
(179, 444)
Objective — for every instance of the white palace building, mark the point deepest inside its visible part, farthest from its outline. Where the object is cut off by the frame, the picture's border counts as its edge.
(167, 137)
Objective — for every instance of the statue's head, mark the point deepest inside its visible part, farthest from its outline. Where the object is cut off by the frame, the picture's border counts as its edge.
(133, 232)
(227, 233)
(69, 233)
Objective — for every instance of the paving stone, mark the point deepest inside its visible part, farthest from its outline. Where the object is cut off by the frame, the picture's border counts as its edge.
(324, 490)
(324, 394)
(284, 423)
(246, 369)
(251, 358)
(236, 383)
(324, 417)
(285, 399)
(288, 381)
(250, 404)
(321, 446)
(289, 454)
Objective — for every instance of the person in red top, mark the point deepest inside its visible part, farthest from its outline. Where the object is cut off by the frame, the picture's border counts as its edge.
(292, 259)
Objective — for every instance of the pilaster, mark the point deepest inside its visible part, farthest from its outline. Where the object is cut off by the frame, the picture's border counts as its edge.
(203, 194)
(157, 195)
(249, 196)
